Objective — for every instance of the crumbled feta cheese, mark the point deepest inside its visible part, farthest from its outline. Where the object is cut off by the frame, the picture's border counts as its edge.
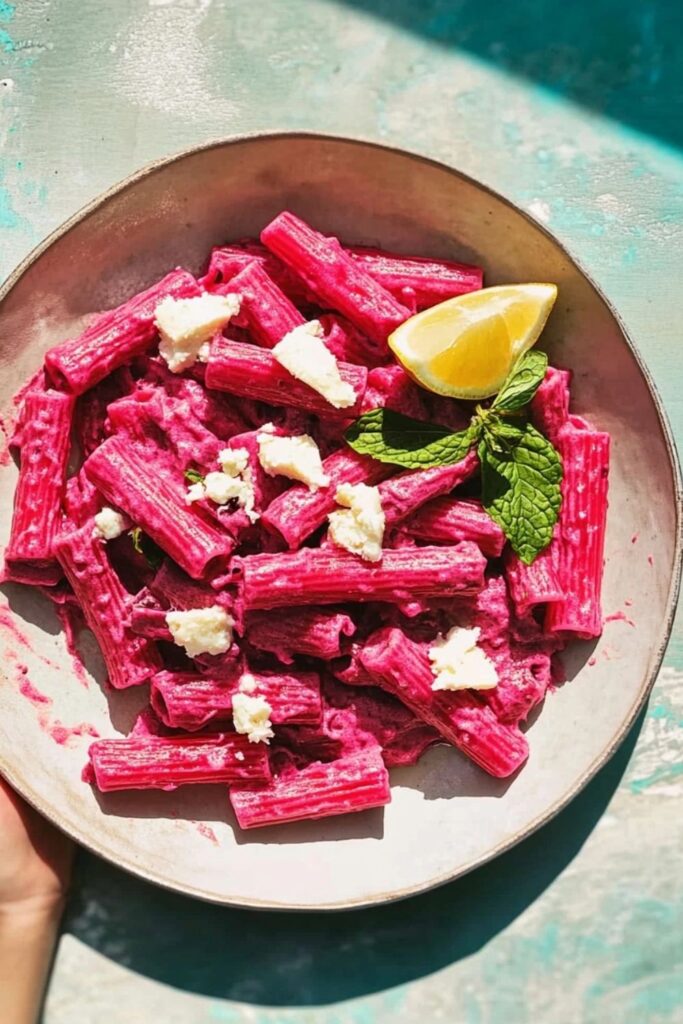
(247, 683)
(239, 756)
(248, 496)
(233, 481)
(185, 325)
(109, 524)
(222, 488)
(297, 458)
(201, 630)
(251, 717)
(304, 354)
(234, 461)
(359, 527)
(459, 664)
(195, 492)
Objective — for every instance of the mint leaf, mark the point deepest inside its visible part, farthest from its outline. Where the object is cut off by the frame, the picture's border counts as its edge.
(521, 491)
(500, 435)
(413, 444)
(522, 382)
(146, 547)
(193, 476)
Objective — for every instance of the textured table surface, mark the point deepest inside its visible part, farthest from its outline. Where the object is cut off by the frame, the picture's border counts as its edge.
(574, 111)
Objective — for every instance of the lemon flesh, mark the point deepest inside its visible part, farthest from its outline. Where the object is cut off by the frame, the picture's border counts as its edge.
(465, 347)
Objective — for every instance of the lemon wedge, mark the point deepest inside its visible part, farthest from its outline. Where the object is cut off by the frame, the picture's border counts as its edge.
(465, 347)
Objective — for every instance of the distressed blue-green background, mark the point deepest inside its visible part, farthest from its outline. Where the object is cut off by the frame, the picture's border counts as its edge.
(573, 110)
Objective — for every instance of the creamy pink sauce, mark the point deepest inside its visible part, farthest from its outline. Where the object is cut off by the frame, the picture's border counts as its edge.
(79, 671)
(28, 690)
(8, 623)
(65, 734)
(6, 431)
(207, 832)
(26, 687)
(620, 617)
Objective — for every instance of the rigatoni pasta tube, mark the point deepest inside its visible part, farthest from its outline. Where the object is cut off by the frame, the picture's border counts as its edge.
(130, 659)
(355, 783)
(297, 513)
(115, 337)
(30, 556)
(156, 762)
(334, 278)
(316, 632)
(583, 516)
(268, 313)
(329, 576)
(449, 520)
(131, 482)
(187, 700)
(253, 372)
(402, 667)
(405, 493)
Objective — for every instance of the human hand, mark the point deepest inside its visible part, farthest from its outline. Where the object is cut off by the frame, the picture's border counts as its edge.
(35, 858)
(35, 869)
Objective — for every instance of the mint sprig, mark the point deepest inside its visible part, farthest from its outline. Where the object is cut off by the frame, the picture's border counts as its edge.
(522, 383)
(193, 476)
(521, 491)
(402, 441)
(521, 470)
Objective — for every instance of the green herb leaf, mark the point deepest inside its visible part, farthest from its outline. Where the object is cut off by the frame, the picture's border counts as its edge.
(521, 491)
(413, 444)
(136, 537)
(193, 476)
(146, 547)
(500, 435)
(522, 382)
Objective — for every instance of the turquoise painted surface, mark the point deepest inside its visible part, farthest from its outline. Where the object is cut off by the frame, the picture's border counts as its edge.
(574, 111)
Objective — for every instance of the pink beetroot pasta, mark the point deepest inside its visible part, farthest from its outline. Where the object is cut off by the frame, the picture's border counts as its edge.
(167, 762)
(300, 617)
(189, 701)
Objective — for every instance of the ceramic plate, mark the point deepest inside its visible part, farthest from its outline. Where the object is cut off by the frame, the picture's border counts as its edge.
(446, 816)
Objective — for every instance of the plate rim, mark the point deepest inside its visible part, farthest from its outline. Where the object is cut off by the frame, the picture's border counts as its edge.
(23, 787)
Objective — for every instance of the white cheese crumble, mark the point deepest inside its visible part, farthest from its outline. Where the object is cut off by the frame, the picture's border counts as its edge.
(195, 492)
(186, 325)
(201, 630)
(232, 481)
(251, 717)
(234, 461)
(297, 458)
(303, 353)
(247, 683)
(239, 756)
(459, 664)
(222, 488)
(109, 524)
(359, 527)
